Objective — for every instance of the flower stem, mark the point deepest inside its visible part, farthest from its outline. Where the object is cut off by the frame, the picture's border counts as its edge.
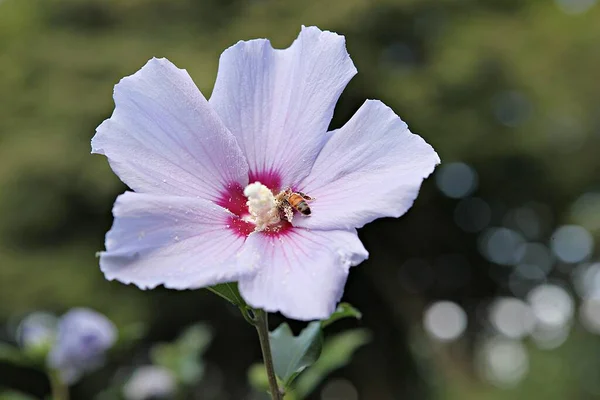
(262, 327)
(60, 391)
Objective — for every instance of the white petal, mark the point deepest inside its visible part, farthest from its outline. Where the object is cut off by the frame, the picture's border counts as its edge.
(372, 167)
(300, 273)
(164, 138)
(180, 242)
(278, 103)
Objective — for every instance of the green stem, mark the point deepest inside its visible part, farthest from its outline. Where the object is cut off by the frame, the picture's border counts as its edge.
(60, 391)
(262, 327)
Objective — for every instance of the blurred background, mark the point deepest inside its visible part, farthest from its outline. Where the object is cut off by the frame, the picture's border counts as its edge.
(489, 288)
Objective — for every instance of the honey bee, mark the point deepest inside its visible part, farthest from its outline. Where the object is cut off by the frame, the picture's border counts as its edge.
(288, 201)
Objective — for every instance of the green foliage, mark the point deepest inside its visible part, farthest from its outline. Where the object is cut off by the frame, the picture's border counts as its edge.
(230, 292)
(337, 352)
(14, 396)
(293, 354)
(183, 357)
(60, 58)
(344, 310)
(13, 355)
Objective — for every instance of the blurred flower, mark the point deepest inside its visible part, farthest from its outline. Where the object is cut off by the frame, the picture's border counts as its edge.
(82, 339)
(150, 382)
(209, 176)
(37, 331)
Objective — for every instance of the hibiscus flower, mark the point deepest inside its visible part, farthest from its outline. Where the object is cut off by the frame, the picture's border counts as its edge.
(250, 186)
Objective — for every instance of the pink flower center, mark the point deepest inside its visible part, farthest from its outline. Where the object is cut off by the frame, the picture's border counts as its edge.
(233, 199)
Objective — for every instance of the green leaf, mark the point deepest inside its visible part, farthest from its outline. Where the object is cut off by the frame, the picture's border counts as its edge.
(14, 355)
(293, 354)
(11, 395)
(337, 352)
(183, 357)
(229, 291)
(344, 310)
(129, 334)
(257, 376)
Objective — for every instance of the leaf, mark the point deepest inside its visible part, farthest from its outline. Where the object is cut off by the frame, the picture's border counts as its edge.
(257, 376)
(14, 355)
(129, 334)
(344, 310)
(293, 354)
(11, 395)
(337, 352)
(183, 357)
(229, 291)
(195, 339)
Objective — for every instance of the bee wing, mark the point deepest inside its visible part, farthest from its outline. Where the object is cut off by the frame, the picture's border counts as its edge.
(305, 196)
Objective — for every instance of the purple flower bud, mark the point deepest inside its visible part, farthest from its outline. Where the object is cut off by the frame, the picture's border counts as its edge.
(37, 331)
(82, 339)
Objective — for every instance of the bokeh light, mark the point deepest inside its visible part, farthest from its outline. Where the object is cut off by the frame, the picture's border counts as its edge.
(575, 6)
(589, 314)
(572, 243)
(552, 306)
(472, 214)
(445, 321)
(503, 362)
(456, 180)
(511, 108)
(512, 317)
(501, 245)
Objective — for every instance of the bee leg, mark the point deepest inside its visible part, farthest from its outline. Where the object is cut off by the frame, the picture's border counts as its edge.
(289, 212)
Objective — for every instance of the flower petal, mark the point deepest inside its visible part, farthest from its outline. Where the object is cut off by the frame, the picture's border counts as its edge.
(300, 273)
(164, 138)
(278, 103)
(82, 339)
(180, 242)
(372, 167)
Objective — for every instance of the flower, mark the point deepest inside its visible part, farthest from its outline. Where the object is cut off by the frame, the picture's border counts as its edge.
(150, 382)
(83, 336)
(209, 177)
(37, 331)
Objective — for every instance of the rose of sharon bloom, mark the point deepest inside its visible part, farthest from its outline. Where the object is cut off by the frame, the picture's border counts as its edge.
(82, 339)
(206, 175)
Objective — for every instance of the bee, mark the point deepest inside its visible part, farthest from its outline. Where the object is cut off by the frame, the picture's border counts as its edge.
(288, 201)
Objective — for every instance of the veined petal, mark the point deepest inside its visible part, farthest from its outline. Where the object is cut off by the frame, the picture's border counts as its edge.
(164, 138)
(180, 242)
(370, 168)
(301, 273)
(278, 103)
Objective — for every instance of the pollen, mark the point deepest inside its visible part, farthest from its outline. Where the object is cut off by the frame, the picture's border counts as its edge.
(262, 206)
